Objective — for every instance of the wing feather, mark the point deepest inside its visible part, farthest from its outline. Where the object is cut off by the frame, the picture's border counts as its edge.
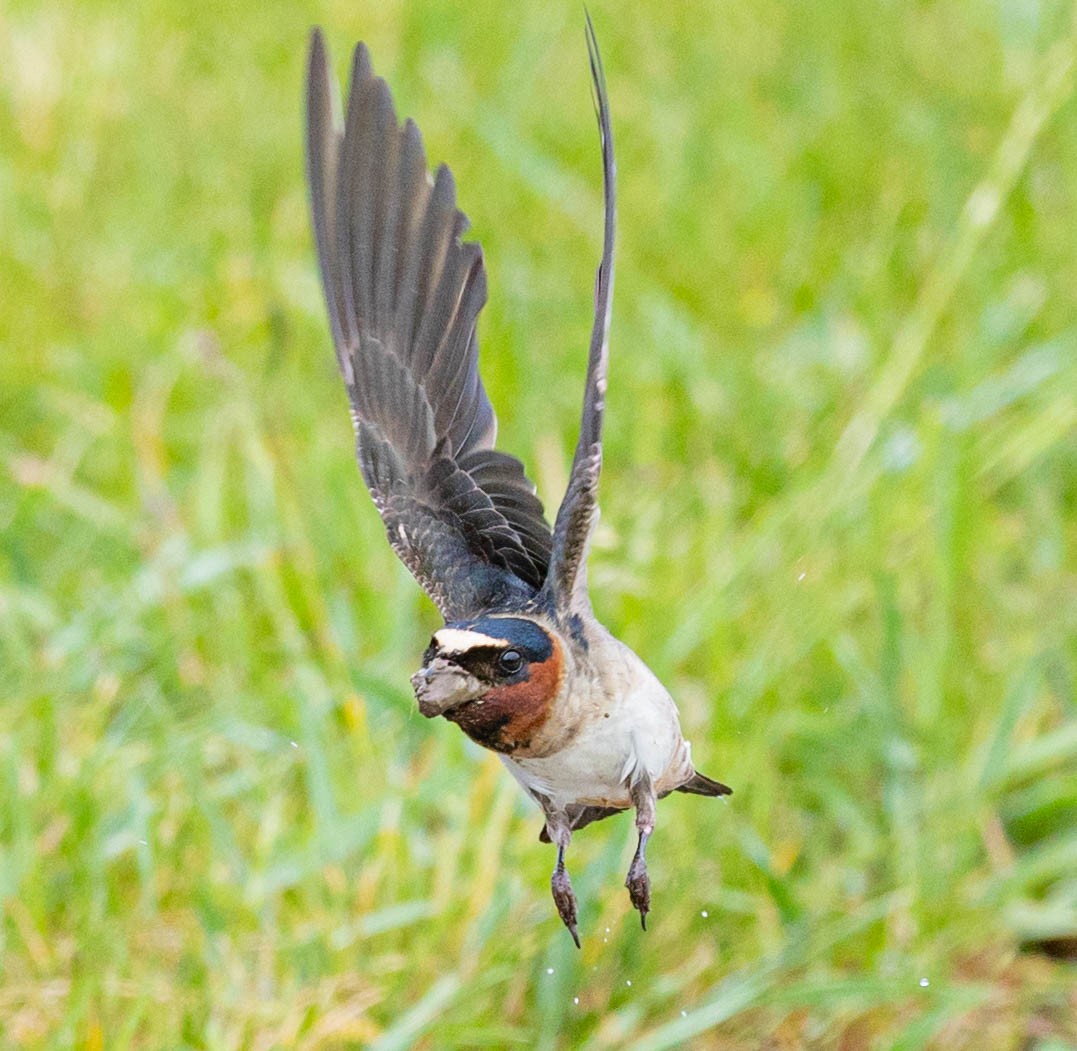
(403, 294)
(566, 583)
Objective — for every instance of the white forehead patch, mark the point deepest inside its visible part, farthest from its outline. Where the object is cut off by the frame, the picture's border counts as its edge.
(458, 640)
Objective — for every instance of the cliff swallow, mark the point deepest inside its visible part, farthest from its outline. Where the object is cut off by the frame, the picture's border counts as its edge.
(521, 666)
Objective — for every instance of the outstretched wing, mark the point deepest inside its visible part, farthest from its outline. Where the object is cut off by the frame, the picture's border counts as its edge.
(566, 583)
(404, 294)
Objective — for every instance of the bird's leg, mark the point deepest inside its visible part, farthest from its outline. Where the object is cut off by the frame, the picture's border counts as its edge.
(637, 881)
(559, 831)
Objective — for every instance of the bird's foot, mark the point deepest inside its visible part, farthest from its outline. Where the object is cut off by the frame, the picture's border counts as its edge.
(565, 900)
(639, 887)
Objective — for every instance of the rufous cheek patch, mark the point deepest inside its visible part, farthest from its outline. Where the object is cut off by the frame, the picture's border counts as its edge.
(506, 718)
(526, 706)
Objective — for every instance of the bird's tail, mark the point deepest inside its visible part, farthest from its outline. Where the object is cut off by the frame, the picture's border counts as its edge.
(701, 785)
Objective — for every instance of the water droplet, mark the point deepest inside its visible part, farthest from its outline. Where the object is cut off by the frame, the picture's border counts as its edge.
(684, 1014)
(704, 914)
(924, 983)
(575, 999)
(549, 970)
(628, 981)
(607, 930)
(801, 576)
(295, 744)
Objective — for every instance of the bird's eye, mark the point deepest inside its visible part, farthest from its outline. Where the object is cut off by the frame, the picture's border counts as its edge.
(510, 661)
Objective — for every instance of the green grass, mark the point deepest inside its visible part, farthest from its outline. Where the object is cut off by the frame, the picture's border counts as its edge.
(839, 521)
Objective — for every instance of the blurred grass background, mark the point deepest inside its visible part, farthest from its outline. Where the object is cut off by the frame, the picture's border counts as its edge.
(838, 521)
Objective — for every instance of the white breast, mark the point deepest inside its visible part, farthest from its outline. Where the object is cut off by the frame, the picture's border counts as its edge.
(628, 726)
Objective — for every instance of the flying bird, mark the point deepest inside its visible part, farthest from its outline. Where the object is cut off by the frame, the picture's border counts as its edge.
(521, 665)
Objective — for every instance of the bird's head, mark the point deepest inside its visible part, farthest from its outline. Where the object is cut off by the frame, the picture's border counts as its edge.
(497, 677)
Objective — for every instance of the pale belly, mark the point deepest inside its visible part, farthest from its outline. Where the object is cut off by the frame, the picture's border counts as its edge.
(640, 734)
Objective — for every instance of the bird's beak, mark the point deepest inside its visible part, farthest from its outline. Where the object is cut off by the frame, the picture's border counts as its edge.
(441, 685)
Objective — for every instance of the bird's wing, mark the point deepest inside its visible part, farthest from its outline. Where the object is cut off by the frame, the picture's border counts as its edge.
(404, 294)
(566, 583)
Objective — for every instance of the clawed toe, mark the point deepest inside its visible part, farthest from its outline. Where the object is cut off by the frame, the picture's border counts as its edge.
(565, 900)
(639, 888)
